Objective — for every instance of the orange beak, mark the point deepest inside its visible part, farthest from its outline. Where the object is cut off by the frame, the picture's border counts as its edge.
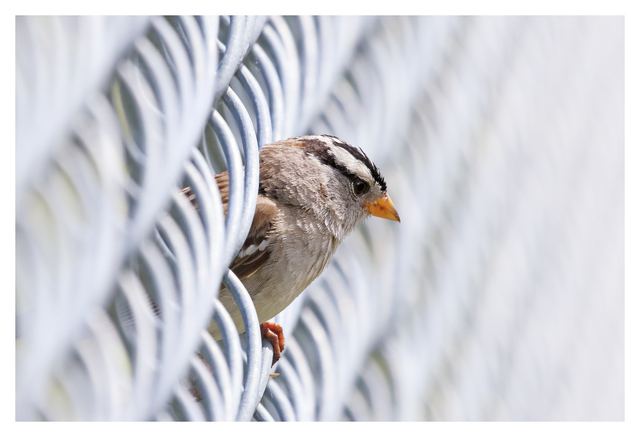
(383, 208)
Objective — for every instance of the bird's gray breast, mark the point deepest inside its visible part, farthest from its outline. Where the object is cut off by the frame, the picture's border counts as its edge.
(301, 252)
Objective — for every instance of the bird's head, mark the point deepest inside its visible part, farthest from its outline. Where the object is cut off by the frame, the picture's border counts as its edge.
(333, 179)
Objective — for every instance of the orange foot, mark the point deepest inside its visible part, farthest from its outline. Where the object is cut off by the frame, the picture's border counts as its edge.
(272, 332)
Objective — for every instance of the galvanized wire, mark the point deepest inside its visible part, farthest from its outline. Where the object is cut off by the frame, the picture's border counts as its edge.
(500, 139)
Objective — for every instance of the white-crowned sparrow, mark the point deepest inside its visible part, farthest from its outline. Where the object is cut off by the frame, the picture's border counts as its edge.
(313, 191)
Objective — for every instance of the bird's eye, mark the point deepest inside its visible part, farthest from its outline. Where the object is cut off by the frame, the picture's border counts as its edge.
(360, 187)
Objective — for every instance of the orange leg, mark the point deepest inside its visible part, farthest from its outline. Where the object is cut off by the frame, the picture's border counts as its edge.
(272, 332)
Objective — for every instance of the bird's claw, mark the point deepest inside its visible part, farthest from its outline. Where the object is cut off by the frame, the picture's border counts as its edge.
(272, 332)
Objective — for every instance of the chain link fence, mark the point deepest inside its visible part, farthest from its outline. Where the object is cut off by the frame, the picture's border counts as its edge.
(499, 297)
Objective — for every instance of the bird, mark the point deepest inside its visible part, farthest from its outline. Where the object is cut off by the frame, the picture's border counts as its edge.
(313, 190)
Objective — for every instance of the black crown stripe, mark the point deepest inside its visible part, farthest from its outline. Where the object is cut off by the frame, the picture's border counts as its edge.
(359, 154)
(320, 150)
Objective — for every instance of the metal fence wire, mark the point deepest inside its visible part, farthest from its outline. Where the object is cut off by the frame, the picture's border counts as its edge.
(499, 297)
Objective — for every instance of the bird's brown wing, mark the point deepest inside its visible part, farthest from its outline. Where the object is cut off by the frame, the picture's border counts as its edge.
(222, 179)
(256, 250)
